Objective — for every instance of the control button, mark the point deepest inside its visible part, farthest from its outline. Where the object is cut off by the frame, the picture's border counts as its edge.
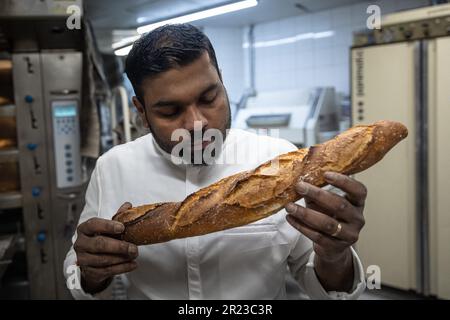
(408, 34)
(28, 99)
(68, 155)
(68, 163)
(31, 146)
(388, 35)
(69, 170)
(41, 237)
(67, 146)
(36, 192)
(69, 179)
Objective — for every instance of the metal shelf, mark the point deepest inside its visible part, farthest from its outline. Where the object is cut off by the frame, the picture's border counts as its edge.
(8, 110)
(7, 249)
(10, 200)
(13, 153)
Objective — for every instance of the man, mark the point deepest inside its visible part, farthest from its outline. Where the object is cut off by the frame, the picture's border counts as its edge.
(178, 85)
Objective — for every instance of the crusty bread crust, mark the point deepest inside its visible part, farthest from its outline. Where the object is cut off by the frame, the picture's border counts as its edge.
(253, 195)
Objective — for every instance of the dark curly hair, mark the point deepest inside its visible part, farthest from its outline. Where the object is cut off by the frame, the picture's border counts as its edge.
(165, 48)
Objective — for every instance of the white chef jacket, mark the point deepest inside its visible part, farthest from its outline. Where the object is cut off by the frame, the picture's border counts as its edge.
(254, 261)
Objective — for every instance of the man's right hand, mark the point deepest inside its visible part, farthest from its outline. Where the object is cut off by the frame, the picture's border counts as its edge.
(101, 256)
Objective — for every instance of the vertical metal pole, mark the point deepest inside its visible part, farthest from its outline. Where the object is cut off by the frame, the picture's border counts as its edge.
(422, 188)
(251, 48)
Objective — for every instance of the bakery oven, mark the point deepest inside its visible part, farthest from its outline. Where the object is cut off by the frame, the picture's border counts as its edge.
(41, 176)
(9, 166)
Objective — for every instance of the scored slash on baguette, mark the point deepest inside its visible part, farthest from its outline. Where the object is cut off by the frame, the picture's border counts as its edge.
(252, 195)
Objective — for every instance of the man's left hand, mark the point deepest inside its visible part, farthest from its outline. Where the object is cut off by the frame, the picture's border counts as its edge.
(331, 221)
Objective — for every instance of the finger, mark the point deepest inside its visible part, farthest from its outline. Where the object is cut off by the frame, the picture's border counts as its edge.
(101, 274)
(100, 260)
(313, 218)
(356, 191)
(330, 202)
(357, 221)
(105, 245)
(317, 237)
(127, 205)
(96, 226)
(322, 223)
(312, 205)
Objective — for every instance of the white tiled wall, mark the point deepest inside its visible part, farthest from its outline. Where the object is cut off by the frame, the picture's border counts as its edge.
(227, 43)
(304, 63)
(317, 61)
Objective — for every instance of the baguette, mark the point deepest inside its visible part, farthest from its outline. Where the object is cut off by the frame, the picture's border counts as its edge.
(256, 194)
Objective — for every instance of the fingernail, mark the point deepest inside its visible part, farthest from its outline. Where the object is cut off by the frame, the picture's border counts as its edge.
(119, 227)
(329, 176)
(132, 250)
(302, 188)
(290, 207)
(125, 206)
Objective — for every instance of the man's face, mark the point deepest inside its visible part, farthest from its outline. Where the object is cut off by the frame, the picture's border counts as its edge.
(177, 98)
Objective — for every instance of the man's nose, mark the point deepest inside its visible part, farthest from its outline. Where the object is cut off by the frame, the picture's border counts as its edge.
(192, 115)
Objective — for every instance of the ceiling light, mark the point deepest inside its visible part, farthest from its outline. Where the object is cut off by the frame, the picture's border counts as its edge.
(296, 38)
(141, 19)
(123, 51)
(201, 15)
(125, 41)
(183, 19)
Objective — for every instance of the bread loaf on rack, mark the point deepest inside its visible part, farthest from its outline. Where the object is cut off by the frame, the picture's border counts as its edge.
(252, 195)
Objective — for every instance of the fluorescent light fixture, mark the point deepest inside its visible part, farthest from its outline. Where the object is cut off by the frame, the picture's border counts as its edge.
(201, 15)
(298, 37)
(123, 51)
(141, 19)
(240, 5)
(324, 34)
(125, 41)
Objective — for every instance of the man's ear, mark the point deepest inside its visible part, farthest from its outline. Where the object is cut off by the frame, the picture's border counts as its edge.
(140, 109)
(138, 104)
